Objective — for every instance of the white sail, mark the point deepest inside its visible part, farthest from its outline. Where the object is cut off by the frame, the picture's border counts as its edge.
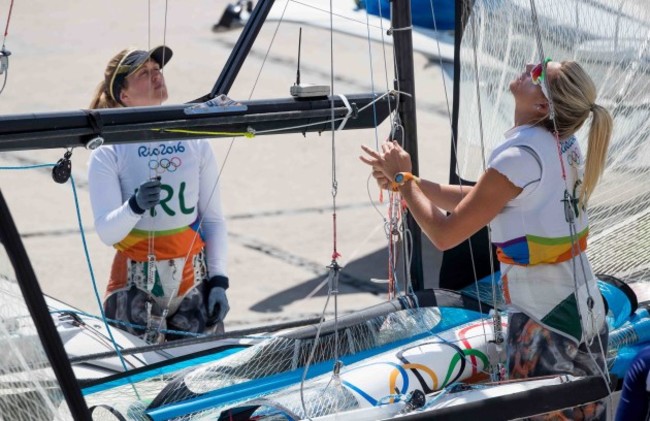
(29, 389)
(611, 40)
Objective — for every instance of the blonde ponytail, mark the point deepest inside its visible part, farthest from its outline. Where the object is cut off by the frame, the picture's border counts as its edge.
(600, 133)
(574, 97)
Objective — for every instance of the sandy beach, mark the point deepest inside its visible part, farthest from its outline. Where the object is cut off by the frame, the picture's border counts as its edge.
(276, 190)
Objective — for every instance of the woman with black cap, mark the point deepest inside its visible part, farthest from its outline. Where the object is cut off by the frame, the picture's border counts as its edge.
(158, 205)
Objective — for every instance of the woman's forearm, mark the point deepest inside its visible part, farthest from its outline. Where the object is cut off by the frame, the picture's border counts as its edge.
(444, 196)
(479, 205)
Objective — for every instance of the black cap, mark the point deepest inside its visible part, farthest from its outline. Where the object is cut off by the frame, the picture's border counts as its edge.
(132, 61)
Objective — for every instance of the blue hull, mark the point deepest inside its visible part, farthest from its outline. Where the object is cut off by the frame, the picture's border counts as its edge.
(421, 12)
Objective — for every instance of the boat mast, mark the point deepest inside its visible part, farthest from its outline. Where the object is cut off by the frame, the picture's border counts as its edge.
(462, 12)
(240, 51)
(401, 23)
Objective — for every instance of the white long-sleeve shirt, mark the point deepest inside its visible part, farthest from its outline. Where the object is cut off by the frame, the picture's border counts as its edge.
(189, 174)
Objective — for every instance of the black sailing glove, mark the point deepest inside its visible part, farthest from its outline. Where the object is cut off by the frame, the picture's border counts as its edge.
(218, 305)
(146, 197)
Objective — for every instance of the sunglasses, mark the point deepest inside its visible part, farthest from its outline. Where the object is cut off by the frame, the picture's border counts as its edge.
(538, 75)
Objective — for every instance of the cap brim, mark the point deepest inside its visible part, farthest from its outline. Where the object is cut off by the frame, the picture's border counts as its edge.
(161, 55)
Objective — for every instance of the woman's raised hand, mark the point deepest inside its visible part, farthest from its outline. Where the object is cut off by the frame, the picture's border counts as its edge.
(386, 164)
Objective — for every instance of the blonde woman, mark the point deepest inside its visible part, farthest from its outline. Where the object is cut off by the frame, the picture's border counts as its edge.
(148, 200)
(533, 195)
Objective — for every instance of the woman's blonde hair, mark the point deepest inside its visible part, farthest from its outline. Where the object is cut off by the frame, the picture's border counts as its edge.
(102, 97)
(574, 96)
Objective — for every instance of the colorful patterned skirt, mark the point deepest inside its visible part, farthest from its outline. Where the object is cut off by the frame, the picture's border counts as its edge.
(535, 351)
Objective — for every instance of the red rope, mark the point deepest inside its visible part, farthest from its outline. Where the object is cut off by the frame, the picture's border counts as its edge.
(11, 7)
(559, 152)
(391, 245)
(335, 253)
(391, 279)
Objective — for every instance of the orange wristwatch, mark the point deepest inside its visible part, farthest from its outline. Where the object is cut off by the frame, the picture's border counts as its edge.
(401, 178)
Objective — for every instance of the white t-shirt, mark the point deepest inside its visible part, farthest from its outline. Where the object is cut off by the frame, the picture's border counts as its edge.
(532, 228)
(521, 165)
(545, 272)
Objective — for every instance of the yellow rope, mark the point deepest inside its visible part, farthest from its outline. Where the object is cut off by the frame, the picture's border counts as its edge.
(249, 135)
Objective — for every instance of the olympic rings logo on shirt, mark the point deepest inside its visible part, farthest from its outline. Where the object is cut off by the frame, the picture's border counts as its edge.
(165, 164)
(573, 157)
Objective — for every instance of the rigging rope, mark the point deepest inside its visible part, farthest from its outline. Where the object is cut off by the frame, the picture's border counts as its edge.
(11, 7)
(570, 217)
(372, 80)
(394, 216)
(88, 261)
(496, 368)
(148, 25)
(455, 152)
(158, 322)
(389, 221)
(249, 134)
(94, 283)
(4, 54)
(383, 44)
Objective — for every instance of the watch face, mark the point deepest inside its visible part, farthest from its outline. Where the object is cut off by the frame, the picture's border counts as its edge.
(399, 177)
